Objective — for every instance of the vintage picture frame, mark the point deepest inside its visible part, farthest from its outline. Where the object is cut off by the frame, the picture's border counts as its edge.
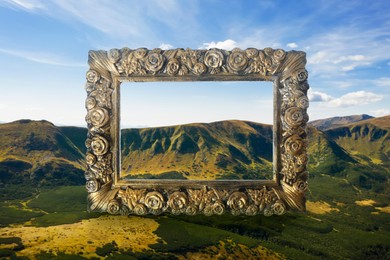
(108, 193)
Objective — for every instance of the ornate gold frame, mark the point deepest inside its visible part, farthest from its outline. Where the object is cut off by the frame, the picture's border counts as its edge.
(107, 193)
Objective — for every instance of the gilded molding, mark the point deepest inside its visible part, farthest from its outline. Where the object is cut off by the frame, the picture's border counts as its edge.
(107, 193)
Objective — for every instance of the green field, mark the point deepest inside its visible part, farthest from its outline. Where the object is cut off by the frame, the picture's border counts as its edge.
(352, 231)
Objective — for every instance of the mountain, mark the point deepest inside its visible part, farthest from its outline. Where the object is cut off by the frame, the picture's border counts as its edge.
(226, 149)
(332, 122)
(40, 153)
(368, 140)
(44, 154)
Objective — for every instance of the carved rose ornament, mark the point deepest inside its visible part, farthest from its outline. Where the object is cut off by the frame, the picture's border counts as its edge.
(108, 193)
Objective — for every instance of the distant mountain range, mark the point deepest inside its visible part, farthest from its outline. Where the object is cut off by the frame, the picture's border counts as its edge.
(333, 122)
(226, 149)
(354, 148)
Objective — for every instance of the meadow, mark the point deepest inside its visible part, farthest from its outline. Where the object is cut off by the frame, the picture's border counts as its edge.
(353, 224)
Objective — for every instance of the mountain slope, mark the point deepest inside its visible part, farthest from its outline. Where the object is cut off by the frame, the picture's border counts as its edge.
(38, 152)
(332, 122)
(226, 149)
(326, 156)
(368, 140)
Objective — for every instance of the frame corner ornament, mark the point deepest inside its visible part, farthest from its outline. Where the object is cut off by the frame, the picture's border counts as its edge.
(285, 192)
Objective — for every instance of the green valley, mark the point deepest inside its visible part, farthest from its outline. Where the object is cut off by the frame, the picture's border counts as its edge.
(43, 205)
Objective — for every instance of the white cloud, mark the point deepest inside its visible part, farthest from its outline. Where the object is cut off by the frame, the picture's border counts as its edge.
(165, 46)
(318, 57)
(350, 58)
(226, 45)
(124, 20)
(29, 5)
(292, 45)
(317, 96)
(382, 82)
(381, 112)
(45, 58)
(354, 98)
(343, 50)
(350, 99)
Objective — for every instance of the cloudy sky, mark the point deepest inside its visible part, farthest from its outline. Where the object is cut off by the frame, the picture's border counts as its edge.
(44, 46)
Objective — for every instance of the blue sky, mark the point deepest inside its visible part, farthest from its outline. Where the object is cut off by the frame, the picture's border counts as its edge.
(44, 46)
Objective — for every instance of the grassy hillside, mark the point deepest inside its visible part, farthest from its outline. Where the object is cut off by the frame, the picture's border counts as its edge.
(368, 140)
(227, 149)
(39, 153)
(333, 122)
(357, 152)
(348, 198)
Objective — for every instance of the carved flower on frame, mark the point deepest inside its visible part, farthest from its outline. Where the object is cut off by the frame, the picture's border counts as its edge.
(301, 162)
(279, 55)
(237, 201)
(294, 144)
(133, 196)
(89, 175)
(102, 87)
(113, 207)
(211, 197)
(213, 58)
(294, 84)
(251, 53)
(300, 186)
(99, 171)
(199, 68)
(302, 102)
(134, 66)
(154, 200)
(102, 94)
(88, 142)
(269, 52)
(90, 103)
(256, 67)
(268, 212)
(114, 55)
(257, 196)
(140, 53)
(295, 117)
(90, 158)
(98, 116)
(268, 64)
(218, 208)
(89, 87)
(196, 196)
(99, 145)
(251, 210)
(154, 62)
(191, 210)
(269, 197)
(193, 55)
(302, 75)
(177, 201)
(278, 207)
(237, 60)
(173, 66)
(92, 76)
(140, 209)
(183, 71)
(92, 185)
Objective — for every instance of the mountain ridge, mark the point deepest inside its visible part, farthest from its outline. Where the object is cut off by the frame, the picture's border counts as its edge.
(358, 151)
(333, 122)
(40, 153)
